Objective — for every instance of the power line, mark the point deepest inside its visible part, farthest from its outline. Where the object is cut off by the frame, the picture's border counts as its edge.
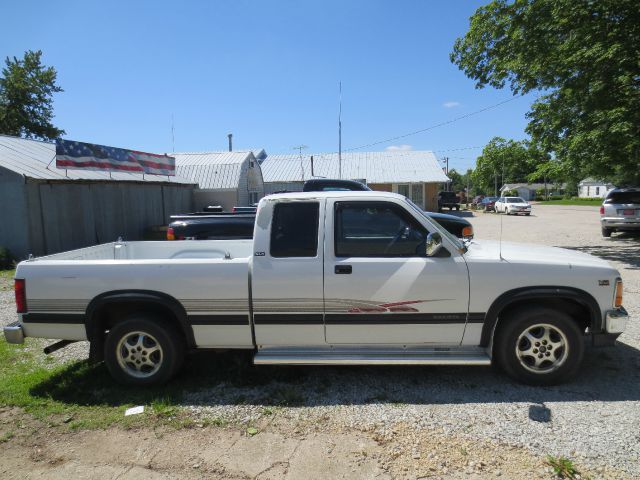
(441, 124)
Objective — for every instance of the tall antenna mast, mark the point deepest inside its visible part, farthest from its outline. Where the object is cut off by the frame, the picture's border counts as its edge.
(173, 136)
(300, 148)
(340, 132)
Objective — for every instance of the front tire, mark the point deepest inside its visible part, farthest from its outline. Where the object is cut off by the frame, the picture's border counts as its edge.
(539, 346)
(143, 350)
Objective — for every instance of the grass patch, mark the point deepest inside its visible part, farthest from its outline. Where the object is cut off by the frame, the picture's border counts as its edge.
(80, 395)
(6, 279)
(590, 202)
(562, 467)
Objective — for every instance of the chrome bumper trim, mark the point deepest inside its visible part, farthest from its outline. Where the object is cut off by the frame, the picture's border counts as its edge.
(616, 320)
(13, 333)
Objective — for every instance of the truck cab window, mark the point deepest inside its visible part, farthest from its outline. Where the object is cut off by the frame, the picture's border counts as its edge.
(380, 229)
(294, 229)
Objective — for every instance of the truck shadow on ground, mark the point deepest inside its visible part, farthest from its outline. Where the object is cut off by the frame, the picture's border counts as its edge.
(624, 248)
(215, 379)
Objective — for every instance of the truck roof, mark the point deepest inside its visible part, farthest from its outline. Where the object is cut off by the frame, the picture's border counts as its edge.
(335, 194)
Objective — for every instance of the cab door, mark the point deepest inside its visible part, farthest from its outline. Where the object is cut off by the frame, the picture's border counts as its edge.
(380, 287)
(287, 273)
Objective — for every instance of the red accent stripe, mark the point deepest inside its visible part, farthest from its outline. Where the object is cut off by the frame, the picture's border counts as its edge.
(395, 304)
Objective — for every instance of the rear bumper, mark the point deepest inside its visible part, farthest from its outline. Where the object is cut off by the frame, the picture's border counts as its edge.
(13, 333)
(620, 223)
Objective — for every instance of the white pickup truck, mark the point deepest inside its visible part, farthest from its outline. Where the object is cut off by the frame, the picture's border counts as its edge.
(336, 278)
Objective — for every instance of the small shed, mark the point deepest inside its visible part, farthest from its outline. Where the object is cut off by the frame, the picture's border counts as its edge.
(592, 188)
(47, 210)
(229, 179)
(415, 174)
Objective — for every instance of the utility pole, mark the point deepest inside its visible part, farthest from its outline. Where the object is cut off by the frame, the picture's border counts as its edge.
(300, 148)
(446, 161)
(468, 183)
(495, 194)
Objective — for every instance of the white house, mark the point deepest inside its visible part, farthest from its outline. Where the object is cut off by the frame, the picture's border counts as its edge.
(527, 191)
(415, 174)
(591, 188)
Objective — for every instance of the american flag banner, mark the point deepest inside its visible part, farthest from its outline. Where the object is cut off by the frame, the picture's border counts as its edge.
(88, 156)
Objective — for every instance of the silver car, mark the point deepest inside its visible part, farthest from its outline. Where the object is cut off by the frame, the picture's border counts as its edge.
(620, 211)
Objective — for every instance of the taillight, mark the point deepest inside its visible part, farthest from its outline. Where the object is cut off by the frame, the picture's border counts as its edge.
(21, 295)
(602, 210)
(234, 210)
(467, 232)
(618, 301)
(170, 234)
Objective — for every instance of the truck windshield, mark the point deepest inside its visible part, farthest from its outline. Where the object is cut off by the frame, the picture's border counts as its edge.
(441, 230)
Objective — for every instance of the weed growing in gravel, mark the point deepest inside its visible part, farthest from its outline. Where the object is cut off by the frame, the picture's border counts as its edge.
(562, 467)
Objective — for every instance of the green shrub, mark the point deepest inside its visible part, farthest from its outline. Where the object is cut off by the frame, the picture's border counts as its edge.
(7, 260)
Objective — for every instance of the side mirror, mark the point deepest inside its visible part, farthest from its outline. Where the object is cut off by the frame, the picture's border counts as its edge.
(434, 244)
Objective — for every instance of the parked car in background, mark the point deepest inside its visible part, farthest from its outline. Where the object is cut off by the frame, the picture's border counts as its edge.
(211, 226)
(448, 200)
(620, 211)
(477, 200)
(512, 206)
(488, 204)
(206, 226)
(249, 209)
(328, 185)
(460, 227)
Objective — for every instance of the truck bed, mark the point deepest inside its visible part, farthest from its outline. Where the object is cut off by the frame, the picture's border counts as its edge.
(161, 250)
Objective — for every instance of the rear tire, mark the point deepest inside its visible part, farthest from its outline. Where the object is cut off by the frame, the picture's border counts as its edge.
(539, 346)
(606, 232)
(143, 350)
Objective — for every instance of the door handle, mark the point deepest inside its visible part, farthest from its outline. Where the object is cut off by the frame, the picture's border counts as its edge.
(343, 269)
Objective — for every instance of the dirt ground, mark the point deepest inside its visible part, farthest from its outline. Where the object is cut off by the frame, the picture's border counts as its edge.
(279, 450)
(328, 437)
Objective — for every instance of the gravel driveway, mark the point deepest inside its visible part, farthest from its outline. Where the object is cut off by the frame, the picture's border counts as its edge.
(594, 420)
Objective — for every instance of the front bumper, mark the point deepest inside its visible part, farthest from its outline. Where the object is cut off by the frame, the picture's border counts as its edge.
(616, 320)
(13, 333)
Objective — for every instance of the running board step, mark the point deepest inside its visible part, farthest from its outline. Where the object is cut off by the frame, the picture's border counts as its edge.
(367, 356)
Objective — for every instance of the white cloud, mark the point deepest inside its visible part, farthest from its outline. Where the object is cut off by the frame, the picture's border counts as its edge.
(451, 104)
(398, 148)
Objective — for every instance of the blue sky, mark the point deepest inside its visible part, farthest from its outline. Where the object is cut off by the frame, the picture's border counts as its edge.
(268, 71)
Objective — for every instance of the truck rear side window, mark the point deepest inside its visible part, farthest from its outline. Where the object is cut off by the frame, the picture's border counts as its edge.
(294, 229)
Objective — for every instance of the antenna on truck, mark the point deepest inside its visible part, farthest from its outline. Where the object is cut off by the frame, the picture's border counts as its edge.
(500, 244)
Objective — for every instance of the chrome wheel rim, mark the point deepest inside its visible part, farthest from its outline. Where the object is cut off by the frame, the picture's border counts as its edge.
(542, 348)
(139, 354)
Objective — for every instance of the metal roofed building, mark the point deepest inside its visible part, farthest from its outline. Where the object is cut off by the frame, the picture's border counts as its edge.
(48, 210)
(414, 174)
(225, 178)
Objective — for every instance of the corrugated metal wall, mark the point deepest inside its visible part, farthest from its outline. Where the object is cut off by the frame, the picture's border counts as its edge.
(66, 215)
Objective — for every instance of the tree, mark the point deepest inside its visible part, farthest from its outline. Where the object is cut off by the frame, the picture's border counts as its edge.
(26, 98)
(505, 161)
(582, 56)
